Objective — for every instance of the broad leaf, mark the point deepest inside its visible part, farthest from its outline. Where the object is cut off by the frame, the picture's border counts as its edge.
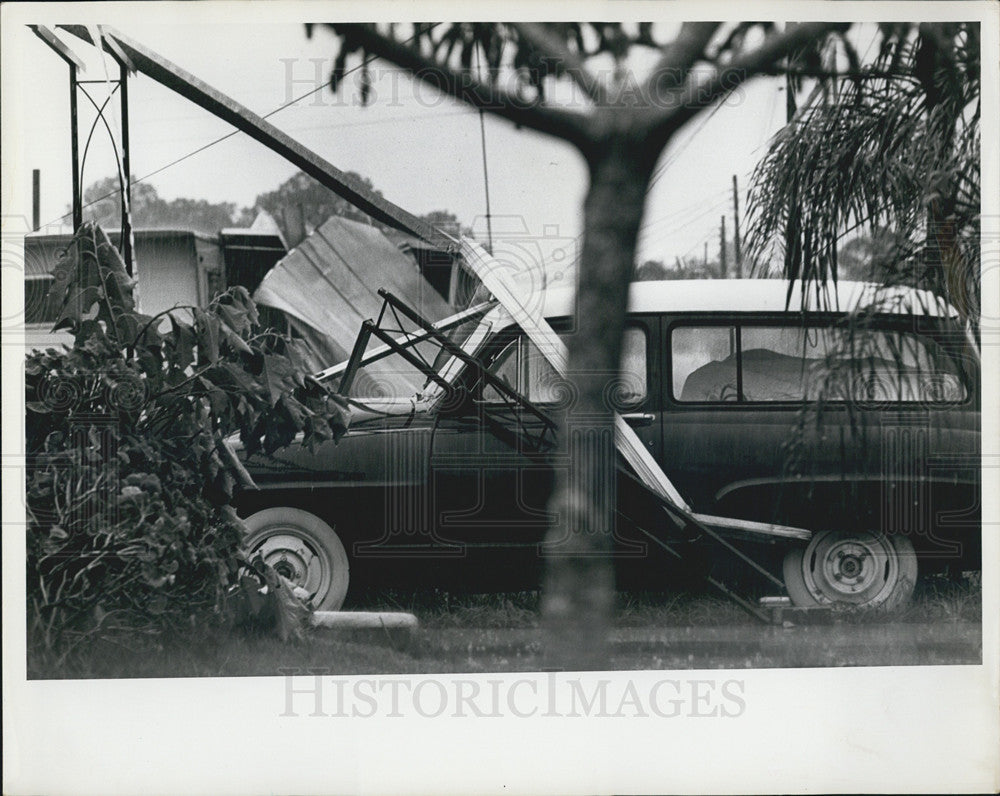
(207, 331)
(279, 375)
(78, 306)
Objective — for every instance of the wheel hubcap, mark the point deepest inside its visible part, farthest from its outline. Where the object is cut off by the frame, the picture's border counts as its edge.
(295, 559)
(852, 568)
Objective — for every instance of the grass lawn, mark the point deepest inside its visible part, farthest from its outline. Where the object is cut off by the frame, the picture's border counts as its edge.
(500, 633)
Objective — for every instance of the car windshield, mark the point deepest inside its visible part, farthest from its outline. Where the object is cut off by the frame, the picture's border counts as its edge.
(403, 362)
(524, 368)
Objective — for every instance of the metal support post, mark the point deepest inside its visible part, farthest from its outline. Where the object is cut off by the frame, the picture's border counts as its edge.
(75, 151)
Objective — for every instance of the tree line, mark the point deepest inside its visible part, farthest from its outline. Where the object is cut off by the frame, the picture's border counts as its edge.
(298, 206)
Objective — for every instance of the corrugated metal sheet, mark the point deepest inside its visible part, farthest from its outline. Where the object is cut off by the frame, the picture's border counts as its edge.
(328, 283)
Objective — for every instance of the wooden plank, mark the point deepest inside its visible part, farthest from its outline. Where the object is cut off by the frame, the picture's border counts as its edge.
(226, 108)
(751, 526)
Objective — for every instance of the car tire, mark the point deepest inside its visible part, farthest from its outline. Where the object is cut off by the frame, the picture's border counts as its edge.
(862, 570)
(304, 549)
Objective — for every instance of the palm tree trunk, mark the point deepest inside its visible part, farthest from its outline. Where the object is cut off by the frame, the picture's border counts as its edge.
(578, 600)
(946, 271)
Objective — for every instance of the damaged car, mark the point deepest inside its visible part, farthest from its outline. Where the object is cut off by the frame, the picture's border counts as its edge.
(827, 449)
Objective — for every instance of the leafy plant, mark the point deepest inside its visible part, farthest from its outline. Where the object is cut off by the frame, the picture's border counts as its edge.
(130, 466)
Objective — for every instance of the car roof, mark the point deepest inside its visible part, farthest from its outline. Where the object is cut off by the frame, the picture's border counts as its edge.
(756, 295)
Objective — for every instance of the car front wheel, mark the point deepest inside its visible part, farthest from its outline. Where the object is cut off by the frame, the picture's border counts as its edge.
(855, 569)
(304, 549)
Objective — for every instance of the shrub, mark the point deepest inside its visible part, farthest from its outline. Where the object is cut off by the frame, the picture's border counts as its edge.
(130, 473)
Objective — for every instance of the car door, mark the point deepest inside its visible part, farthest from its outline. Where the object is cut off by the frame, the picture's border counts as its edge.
(490, 475)
(492, 465)
(710, 438)
(637, 393)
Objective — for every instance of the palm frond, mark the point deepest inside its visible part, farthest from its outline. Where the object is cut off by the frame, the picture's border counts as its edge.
(897, 152)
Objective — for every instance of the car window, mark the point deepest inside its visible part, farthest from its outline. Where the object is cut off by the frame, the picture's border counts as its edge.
(786, 363)
(633, 389)
(522, 366)
(704, 363)
(793, 363)
(506, 367)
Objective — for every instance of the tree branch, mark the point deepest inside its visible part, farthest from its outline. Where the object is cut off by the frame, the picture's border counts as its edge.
(463, 87)
(539, 38)
(682, 53)
(705, 92)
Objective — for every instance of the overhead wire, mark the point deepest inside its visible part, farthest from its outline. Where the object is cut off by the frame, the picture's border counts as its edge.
(715, 203)
(229, 135)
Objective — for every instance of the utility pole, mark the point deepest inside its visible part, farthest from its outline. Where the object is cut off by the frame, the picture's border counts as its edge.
(706, 254)
(486, 173)
(790, 106)
(722, 247)
(792, 221)
(486, 178)
(736, 230)
(36, 199)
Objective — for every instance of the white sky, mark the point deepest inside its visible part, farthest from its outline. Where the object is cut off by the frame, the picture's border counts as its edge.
(420, 149)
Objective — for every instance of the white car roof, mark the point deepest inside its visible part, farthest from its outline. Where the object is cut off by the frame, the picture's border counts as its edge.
(754, 295)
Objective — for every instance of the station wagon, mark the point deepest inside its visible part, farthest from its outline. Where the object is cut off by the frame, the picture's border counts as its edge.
(853, 415)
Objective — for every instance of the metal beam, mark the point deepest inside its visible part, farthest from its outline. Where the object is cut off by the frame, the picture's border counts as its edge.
(123, 60)
(226, 108)
(57, 46)
(445, 325)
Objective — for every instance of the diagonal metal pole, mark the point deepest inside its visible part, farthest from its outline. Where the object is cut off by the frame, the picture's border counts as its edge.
(127, 243)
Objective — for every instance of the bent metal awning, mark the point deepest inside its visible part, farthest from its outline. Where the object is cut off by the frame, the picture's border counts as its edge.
(328, 284)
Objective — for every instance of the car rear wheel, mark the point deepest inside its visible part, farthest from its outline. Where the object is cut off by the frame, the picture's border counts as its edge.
(304, 549)
(855, 569)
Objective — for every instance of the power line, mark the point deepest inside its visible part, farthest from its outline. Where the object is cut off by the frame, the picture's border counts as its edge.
(684, 145)
(417, 117)
(650, 243)
(686, 218)
(685, 213)
(681, 218)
